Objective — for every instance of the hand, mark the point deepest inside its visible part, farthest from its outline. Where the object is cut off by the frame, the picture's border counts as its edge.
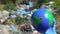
(52, 29)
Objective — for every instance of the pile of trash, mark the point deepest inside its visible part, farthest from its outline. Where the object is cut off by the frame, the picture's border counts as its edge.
(5, 29)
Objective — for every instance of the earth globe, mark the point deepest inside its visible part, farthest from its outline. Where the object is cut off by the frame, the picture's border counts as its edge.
(42, 19)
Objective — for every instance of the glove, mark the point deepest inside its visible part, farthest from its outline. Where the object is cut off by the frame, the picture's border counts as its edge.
(52, 29)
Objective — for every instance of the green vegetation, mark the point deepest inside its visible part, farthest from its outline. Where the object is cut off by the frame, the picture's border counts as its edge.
(10, 6)
(56, 4)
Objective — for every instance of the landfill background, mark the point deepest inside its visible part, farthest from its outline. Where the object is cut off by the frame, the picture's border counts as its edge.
(14, 17)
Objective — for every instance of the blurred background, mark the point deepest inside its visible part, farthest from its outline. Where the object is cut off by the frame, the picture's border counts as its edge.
(15, 15)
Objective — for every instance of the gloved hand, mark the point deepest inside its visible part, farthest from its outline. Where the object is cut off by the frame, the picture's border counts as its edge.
(52, 29)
